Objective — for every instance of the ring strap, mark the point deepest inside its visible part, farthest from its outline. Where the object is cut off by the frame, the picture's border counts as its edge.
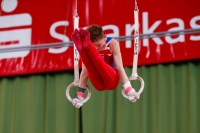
(136, 42)
(76, 54)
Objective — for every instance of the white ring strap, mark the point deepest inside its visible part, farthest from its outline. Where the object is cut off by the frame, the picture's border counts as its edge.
(134, 75)
(76, 54)
(136, 42)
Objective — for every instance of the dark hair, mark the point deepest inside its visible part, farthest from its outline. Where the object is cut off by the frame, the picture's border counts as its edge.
(96, 32)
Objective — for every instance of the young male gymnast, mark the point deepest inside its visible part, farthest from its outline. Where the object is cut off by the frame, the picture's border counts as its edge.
(101, 63)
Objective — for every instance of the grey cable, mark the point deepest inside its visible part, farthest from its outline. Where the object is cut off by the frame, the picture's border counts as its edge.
(120, 38)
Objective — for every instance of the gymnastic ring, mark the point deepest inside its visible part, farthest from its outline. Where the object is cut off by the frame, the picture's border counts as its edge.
(141, 87)
(72, 85)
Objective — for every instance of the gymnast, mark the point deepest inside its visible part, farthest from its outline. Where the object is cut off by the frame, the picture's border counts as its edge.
(101, 63)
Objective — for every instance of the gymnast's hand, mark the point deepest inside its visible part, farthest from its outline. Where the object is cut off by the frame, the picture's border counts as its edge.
(78, 100)
(130, 92)
(133, 96)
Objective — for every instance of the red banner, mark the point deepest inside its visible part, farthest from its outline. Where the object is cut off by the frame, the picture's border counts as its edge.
(32, 22)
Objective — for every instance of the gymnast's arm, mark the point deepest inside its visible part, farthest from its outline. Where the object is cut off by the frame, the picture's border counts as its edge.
(77, 101)
(115, 49)
(83, 77)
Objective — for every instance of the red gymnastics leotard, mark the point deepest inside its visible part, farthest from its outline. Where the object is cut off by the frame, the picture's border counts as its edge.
(100, 65)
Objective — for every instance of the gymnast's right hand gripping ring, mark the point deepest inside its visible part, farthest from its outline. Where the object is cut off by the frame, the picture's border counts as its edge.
(70, 87)
(141, 86)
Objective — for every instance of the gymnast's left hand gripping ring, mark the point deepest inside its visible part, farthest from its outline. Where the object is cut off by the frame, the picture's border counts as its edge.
(72, 85)
(141, 86)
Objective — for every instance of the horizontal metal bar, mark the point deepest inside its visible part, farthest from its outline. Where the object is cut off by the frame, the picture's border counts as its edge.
(120, 38)
(160, 34)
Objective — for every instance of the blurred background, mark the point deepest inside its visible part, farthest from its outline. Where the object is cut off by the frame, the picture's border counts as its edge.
(36, 66)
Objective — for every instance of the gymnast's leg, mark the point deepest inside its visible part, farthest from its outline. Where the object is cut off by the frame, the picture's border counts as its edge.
(93, 73)
(109, 75)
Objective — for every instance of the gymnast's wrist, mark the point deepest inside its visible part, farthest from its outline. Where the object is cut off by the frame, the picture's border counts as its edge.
(127, 85)
(81, 89)
(128, 88)
(80, 93)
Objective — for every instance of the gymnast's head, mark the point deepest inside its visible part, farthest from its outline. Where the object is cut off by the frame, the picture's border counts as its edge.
(97, 36)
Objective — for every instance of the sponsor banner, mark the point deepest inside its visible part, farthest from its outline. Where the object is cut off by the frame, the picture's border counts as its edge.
(34, 22)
